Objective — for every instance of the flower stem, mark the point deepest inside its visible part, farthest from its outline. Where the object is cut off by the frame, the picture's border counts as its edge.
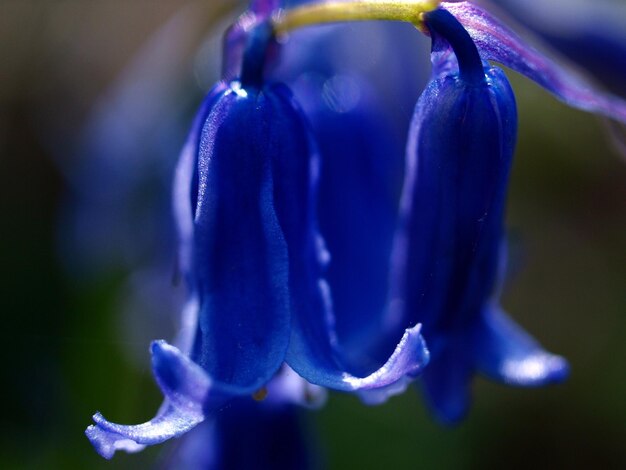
(444, 24)
(364, 10)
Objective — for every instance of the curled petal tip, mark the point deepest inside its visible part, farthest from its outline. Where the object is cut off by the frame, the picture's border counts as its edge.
(378, 396)
(108, 437)
(106, 443)
(157, 345)
(405, 364)
(189, 397)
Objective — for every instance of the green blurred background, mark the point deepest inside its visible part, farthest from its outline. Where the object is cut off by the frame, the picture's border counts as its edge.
(68, 352)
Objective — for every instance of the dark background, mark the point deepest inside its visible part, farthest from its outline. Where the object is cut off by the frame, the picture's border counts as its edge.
(67, 352)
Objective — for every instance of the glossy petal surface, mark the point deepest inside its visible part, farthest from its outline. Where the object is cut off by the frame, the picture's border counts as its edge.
(240, 255)
(459, 155)
(187, 390)
(185, 190)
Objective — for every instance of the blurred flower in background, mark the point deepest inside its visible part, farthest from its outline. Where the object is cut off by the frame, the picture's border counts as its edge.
(75, 75)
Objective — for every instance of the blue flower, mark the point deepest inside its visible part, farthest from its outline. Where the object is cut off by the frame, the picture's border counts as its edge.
(262, 299)
(449, 256)
(253, 259)
(447, 251)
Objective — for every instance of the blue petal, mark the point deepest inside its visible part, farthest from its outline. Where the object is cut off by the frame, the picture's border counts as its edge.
(240, 255)
(360, 181)
(446, 385)
(184, 202)
(358, 218)
(497, 42)
(185, 188)
(189, 394)
(505, 352)
(446, 252)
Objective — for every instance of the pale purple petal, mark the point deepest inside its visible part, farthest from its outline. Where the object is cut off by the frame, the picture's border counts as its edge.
(190, 396)
(498, 43)
(107, 437)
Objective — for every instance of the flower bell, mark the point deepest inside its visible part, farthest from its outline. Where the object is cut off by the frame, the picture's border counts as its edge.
(253, 259)
(246, 201)
(447, 252)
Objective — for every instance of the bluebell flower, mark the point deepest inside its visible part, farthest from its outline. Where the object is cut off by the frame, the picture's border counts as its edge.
(447, 251)
(115, 153)
(450, 255)
(253, 259)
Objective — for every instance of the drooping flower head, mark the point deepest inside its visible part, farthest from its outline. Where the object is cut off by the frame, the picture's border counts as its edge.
(253, 259)
(447, 253)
